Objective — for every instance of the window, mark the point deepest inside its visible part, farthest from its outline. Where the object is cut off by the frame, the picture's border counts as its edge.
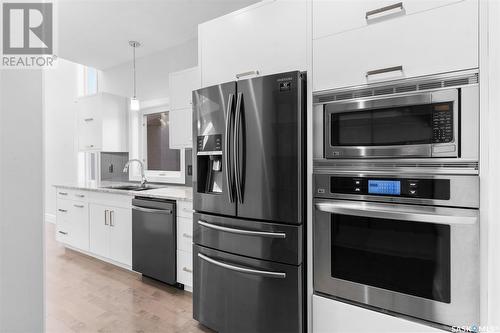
(159, 156)
(88, 81)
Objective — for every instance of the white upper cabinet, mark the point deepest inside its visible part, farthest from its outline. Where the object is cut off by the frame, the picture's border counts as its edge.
(181, 85)
(268, 37)
(439, 40)
(333, 16)
(102, 123)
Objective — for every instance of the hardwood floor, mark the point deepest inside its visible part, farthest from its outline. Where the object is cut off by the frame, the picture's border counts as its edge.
(84, 294)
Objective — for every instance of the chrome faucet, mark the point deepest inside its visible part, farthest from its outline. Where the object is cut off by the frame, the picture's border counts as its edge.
(143, 176)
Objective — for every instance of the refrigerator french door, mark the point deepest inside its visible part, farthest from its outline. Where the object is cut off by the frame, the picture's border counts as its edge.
(249, 202)
(249, 157)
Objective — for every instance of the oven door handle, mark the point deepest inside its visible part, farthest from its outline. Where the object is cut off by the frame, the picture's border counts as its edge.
(427, 214)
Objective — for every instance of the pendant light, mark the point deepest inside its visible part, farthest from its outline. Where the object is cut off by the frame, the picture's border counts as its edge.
(134, 102)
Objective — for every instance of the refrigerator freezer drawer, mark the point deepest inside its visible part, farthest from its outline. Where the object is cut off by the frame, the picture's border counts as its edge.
(263, 240)
(239, 294)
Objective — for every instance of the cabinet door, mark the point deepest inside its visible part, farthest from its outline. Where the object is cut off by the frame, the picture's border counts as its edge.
(89, 133)
(269, 37)
(120, 235)
(418, 43)
(80, 225)
(181, 129)
(333, 16)
(99, 229)
(181, 85)
(185, 234)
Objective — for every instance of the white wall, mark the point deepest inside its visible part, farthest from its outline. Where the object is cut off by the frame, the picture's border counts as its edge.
(152, 72)
(21, 201)
(61, 89)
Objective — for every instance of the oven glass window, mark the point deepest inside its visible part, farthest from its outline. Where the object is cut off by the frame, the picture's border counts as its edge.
(408, 125)
(407, 257)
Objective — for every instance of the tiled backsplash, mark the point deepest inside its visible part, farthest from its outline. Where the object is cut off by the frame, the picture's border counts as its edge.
(112, 167)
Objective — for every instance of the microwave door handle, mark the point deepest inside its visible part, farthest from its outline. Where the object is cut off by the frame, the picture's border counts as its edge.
(227, 149)
(451, 216)
(236, 155)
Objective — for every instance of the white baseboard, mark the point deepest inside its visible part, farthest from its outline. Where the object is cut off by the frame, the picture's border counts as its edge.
(50, 218)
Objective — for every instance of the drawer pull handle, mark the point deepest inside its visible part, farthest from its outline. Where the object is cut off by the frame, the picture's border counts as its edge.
(185, 269)
(384, 70)
(89, 119)
(80, 195)
(240, 75)
(79, 206)
(384, 9)
(187, 210)
(186, 235)
(278, 275)
(63, 193)
(62, 210)
(63, 233)
(90, 146)
(243, 232)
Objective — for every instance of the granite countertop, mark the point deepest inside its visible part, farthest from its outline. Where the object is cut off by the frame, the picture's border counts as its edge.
(159, 191)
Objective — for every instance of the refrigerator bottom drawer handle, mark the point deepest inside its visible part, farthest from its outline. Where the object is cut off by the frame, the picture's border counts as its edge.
(241, 231)
(277, 275)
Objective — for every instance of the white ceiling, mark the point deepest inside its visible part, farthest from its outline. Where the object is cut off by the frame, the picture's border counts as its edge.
(96, 32)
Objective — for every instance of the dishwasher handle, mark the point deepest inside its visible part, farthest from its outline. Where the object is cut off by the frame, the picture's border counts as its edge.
(152, 210)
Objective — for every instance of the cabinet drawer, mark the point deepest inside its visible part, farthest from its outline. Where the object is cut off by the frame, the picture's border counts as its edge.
(185, 268)
(185, 234)
(63, 212)
(185, 209)
(70, 194)
(436, 41)
(331, 16)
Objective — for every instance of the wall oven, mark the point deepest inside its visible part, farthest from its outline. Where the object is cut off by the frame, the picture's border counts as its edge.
(432, 118)
(407, 244)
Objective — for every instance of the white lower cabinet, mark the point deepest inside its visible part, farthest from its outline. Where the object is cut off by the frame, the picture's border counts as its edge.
(330, 316)
(111, 233)
(72, 226)
(185, 244)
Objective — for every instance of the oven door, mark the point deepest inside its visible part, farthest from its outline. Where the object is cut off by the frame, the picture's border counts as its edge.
(408, 126)
(420, 261)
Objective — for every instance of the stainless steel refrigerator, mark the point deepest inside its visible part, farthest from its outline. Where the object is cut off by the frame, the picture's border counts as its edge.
(249, 180)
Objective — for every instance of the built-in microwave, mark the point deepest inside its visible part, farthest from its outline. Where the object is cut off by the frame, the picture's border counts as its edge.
(438, 118)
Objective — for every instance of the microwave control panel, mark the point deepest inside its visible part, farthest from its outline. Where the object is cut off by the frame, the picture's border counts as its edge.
(395, 187)
(442, 123)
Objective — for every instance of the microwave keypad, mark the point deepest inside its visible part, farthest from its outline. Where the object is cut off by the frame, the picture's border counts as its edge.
(442, 126)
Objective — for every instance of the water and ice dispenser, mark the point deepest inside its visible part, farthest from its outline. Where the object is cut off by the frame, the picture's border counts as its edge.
(209, 162)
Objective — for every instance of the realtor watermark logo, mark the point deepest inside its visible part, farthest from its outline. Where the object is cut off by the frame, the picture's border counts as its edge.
(28, 35)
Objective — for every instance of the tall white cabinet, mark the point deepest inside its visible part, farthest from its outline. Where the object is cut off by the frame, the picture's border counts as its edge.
(102, 123)
(268, 37)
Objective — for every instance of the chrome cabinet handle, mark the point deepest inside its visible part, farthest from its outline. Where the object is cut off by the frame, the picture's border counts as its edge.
(62, 232)
(152, 210)
(185, 269)
(63, 193)
(383, 9)
(242, 231)
(278, 275)
(240, 75)
(79, 206)
(227, 149)
(90, 146)
(186, 235)
(237, 148)
(89, 119)
(106, 217)
(427, 214)
(80, 195)
(384, 70)
(62, 210)
(112, 218)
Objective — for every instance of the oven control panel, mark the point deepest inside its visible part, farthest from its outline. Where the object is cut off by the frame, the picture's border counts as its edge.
(395, 187)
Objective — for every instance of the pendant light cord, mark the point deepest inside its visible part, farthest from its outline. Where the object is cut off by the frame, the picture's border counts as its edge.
(135, 92)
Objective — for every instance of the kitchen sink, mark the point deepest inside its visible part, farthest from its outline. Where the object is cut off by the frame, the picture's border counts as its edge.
(129, 187)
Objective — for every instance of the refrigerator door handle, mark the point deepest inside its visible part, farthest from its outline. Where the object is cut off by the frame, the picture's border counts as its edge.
(251, 271)
(227, 150)
(242, 231)
(236, 157)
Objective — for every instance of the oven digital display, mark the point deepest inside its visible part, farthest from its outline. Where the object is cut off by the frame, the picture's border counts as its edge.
(384, 187)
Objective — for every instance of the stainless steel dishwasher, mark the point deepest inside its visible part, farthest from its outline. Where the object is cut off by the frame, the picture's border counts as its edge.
(154, 238)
